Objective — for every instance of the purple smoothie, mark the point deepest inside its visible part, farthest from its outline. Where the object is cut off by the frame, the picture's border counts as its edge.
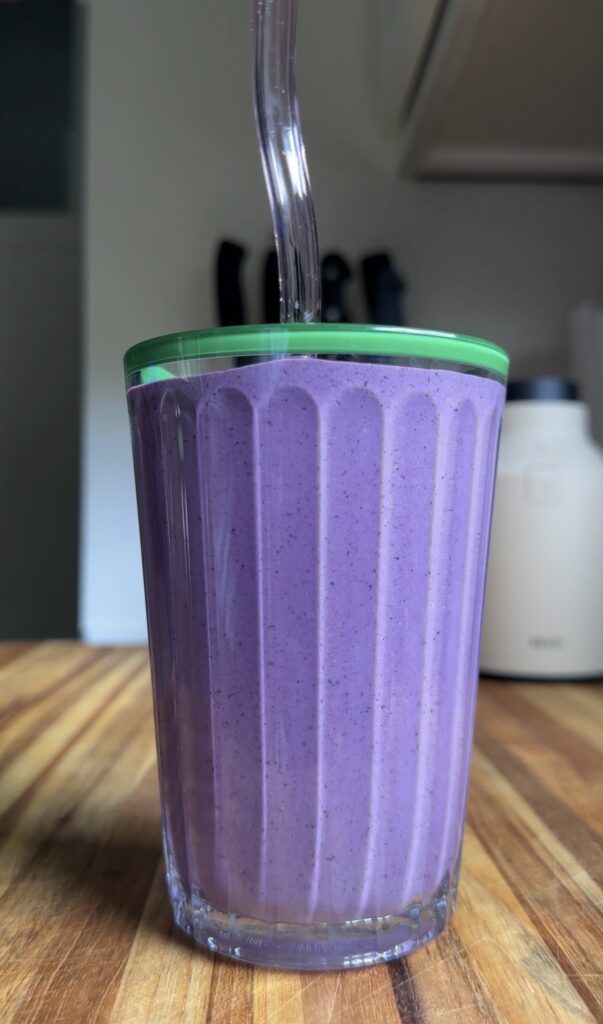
(314, 539)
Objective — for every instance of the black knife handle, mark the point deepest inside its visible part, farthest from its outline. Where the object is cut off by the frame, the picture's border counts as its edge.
(335, 273)
(229, 288)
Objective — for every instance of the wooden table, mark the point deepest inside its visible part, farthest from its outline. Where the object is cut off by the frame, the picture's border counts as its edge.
(85, 928)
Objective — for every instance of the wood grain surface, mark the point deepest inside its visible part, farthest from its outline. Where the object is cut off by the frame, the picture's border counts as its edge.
(85, 927)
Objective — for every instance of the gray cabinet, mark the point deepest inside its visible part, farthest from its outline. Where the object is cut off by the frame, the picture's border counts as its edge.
(498, 89)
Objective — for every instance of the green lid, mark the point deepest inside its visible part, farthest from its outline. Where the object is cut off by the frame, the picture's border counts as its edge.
(298, 339)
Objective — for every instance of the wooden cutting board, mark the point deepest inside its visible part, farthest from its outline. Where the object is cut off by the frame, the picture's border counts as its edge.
(85, 927)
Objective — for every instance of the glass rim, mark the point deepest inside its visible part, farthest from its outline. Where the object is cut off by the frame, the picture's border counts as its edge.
(300, 339)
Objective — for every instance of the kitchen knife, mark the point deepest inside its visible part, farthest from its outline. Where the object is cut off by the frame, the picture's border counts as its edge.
(383, 289)
(335, 273)
(272, 298)
(229, 289)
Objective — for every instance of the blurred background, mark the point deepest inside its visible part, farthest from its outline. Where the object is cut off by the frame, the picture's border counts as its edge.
(462, 139)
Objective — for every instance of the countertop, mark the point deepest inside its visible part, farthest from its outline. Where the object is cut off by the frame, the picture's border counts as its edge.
(85, 927)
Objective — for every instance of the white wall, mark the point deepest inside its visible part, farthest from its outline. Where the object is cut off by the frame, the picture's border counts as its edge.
(39, 408)
(172, 168)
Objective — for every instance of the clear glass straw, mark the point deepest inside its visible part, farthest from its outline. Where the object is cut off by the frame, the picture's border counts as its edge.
(284, 159)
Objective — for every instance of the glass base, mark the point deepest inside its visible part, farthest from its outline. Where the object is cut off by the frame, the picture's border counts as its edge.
(312, 947)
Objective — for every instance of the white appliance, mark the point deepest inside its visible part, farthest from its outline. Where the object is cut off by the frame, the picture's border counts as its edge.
(543, 615)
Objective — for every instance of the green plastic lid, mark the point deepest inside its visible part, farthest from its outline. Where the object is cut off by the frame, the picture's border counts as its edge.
(350, 339)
